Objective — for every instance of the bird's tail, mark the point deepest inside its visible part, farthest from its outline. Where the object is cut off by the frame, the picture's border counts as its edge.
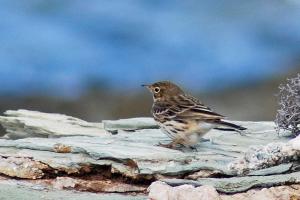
(229, 126)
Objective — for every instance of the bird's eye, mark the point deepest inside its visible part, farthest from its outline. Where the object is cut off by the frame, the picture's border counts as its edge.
(157, 90)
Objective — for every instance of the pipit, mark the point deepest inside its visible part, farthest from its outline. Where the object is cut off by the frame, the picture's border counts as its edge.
(183, 117)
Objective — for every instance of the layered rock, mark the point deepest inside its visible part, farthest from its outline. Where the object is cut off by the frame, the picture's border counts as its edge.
(122, 156)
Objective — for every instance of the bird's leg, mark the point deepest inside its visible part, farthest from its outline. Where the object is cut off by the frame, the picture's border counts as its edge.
(174, 144)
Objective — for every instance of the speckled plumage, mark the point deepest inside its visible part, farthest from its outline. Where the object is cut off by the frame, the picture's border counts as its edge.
(183, 117)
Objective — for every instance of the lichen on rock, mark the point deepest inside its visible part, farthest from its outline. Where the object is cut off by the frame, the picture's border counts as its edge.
(273, 154)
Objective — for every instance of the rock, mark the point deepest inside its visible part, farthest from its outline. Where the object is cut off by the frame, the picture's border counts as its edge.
(64, 183)
(20, 190)
(25, 123)
(22, 167)
(95, 185)
(64, 163)
(202, 174)
(130, 153)
(239, 184)
(161, 191)
(129, 124)
(279, 169)
(291, 192)
(63, 147)
(273, 154)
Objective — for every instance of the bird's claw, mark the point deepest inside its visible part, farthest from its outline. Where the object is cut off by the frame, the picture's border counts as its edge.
(242, 133)
(169, 145)
(194, 149)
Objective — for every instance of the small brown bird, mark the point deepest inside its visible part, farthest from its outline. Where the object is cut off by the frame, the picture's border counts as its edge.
(183, 117)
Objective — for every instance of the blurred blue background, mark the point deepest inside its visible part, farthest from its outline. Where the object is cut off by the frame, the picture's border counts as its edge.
(89, 58)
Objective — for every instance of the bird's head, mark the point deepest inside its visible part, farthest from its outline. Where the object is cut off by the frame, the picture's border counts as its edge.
(163, 90)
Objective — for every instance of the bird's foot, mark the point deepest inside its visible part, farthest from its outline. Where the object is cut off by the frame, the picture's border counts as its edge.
(204, 140)
(179, 147)
(243, 132)
(170, 145)
(193, 148)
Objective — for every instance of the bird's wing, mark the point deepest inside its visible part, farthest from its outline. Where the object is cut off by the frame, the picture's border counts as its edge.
(186, 106)
(163, 110)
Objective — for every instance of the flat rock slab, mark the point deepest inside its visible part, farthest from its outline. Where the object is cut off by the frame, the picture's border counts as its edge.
(129, 124)
(67, 145)
(17, 190)
(239, 184)
(24, 123)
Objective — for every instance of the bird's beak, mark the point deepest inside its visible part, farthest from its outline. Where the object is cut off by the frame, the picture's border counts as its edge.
(147, 86)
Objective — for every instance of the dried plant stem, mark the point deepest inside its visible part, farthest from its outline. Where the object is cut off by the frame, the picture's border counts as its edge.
(288, 114)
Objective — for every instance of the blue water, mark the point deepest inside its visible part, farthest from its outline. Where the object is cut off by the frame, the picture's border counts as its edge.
(63, 46)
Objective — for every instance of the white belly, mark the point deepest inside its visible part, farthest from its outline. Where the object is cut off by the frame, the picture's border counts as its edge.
(204, 127)
(191, 133)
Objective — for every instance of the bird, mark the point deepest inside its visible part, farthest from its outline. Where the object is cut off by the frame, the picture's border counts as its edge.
(182, 117)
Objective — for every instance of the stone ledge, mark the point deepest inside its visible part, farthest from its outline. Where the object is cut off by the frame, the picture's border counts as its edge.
(126, 151)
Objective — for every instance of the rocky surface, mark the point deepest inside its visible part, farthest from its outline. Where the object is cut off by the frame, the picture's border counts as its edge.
(290, 192)
(24, 190)
(122, 156)
(22, 167)
(161, 191)
(24, 123)
(273, 154)
(239, 184)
